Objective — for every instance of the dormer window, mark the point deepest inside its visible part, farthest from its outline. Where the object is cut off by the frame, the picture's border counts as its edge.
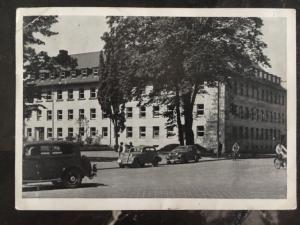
(95, 72)
(73, 73)
(63, 74)
(84, 72)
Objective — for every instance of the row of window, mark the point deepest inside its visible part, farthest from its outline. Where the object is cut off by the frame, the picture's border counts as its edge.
(82, 94)
(129, 132)
(72, 73)
(262, 93)
(129, 113)
(241, 132)
(257, 114)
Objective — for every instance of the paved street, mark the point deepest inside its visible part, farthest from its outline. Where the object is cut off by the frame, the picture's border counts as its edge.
(244, 178)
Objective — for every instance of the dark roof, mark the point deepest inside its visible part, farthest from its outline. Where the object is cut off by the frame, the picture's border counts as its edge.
(79, 79)
(87, 60)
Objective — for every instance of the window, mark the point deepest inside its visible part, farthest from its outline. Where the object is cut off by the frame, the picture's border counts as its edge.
(257, 133)
(38, 114)
(257, 114)
(246, 113)
(49, 115)
(49, 133)
(262, 134)
(95, 72)
(73, 73)
(84, 72)
(247, 90)
(93, 93)
(93, 114)
(81, 131)
(252, 133)
(29, 132)
(59, 115)
(104, 131)
(252, 114)
(93, 131)
(142, 112)
(266, 134)
(263, 94)
(241, 113)
(241, 89)
(142, 132)
(104, 115)
(70, 132)
(170, 109)
(81, 93)
(234, 132)
(200, 131)
(52, 76)
(59, 95)
(81, 113)
(62, 74)
(155, 132)
(156, 111)
(241, 132)
(129, 112)
(70, 94)
(49, 96)
(129, 132)
(170, 131)
(262, 115)
(246, 133)
(70, 114)
(59, 132)
(282, 117)
(200, 109)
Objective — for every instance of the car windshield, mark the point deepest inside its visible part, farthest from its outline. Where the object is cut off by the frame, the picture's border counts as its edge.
(180, 149)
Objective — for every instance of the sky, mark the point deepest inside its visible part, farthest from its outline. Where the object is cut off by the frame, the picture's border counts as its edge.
(80, 34)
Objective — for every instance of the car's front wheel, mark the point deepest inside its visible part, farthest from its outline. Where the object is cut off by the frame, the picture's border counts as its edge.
(72, 178)
(196, 158)
(155, 162)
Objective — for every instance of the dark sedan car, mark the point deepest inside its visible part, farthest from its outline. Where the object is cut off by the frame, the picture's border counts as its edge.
(58, 161)
(184, 154)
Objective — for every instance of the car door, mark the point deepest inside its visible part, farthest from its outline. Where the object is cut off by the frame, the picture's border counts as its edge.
(31, 163)
(189, 153)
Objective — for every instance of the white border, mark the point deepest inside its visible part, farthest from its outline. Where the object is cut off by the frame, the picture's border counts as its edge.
(174, 203)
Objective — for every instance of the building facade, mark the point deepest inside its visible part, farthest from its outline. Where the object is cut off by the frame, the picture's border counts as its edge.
(251, 110)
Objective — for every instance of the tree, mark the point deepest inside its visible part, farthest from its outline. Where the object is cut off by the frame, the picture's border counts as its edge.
(111, 94)
(178, 54)
(32, 61)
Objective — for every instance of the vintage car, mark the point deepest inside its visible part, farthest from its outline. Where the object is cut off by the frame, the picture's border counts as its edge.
(139, 156)
(184, 154)
(57, 161)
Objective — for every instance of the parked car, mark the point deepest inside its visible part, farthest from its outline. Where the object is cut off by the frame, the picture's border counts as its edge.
(184, 154)
(57, 161)
(139, 156)
(167, 148)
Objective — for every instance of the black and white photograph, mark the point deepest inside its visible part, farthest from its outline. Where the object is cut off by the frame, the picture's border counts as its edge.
(128, 108)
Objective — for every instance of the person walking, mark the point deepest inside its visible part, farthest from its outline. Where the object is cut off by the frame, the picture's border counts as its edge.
(235, 150)
(121, 148)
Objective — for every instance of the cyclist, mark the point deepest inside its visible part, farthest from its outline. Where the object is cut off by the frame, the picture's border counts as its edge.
(235, 150)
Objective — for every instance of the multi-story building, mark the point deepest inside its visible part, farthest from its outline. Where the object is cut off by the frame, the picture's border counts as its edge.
(251, 110)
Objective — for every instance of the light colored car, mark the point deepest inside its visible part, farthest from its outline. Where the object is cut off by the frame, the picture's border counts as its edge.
(139, 156)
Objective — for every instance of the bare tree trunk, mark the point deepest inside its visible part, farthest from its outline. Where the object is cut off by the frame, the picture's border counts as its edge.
(188, 119)
(178, 116)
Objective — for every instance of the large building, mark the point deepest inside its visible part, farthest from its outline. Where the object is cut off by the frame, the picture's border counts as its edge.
(251, 110)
